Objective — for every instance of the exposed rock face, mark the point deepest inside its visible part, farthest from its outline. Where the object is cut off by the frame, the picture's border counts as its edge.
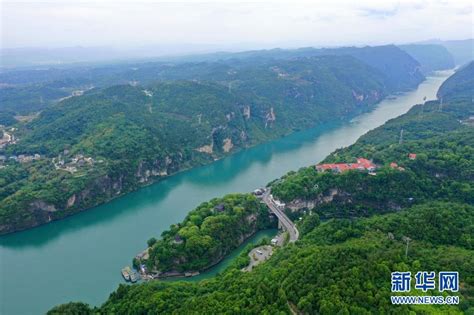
(298, 204)
(247, 112)
(270, 117)
(251, 218)
(71, 201)
(227, 145)
(358, 97)
(40, 205)
(230, 116)
(117, 185)
(243, 135)
(146, 171)
(375, 95)
(98, 190)
(206, 148)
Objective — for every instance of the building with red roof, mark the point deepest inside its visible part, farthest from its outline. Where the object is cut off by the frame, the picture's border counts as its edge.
(412, 156)
(361, 165)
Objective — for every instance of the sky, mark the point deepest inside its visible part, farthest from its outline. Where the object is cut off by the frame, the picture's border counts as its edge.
(230, 24)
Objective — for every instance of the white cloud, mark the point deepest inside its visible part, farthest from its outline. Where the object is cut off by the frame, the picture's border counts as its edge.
(230, 22)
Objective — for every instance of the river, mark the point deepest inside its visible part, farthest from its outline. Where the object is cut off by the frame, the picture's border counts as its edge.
(79, 258)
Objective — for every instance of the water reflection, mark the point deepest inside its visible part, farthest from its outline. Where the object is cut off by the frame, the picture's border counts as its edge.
(80, 258)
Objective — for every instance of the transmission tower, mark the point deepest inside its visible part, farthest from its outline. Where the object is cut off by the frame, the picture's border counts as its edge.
(400, 141)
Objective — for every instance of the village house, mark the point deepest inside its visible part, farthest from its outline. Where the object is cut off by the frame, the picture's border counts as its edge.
(396, 167)
(6, 139)
(23, 158)
(361, 165)
(412, 156)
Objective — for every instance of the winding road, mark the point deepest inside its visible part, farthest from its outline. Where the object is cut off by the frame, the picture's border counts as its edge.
(284, 220)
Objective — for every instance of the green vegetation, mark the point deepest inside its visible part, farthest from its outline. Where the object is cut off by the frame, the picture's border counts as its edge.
(30, 91)
(442, 170)
(460, 85)
(343, 265)
(145, 121)
(431, 57)
(208, 233)
(131, 136)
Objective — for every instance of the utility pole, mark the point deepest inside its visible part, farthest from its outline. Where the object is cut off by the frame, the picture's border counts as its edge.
(407, 240)
(400, 141)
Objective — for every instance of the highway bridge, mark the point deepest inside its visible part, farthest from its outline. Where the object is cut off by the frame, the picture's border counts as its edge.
(287, 224)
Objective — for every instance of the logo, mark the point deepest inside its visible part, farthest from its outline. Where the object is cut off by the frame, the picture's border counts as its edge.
(424, 281)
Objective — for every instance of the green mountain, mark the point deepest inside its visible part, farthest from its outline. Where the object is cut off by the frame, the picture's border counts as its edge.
(400, 69)
(462, 50)
(460, 85)
(30, 91)
(111, 141)
(430, 57)
(344, 264)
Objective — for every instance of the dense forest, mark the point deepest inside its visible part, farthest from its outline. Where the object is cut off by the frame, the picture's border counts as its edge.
(207, 234)
(31, 90)
(104, 142)
(430, 57)
(342, 264)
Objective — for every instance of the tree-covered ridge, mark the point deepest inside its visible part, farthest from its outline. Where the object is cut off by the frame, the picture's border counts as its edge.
(29, 91)
(111, 141)
(443, 168)
(343, 265)
(459, 85)
(431, 57)
(207, 234)
(339, 267)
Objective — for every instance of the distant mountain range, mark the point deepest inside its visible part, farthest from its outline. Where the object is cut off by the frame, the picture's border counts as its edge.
(143, 122)
(415, 212)
(76, 137)
(461, 50)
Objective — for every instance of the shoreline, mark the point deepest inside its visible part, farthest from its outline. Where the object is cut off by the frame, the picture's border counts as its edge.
(182, 275)
(184, 169)
(347, 119)
(118, 231)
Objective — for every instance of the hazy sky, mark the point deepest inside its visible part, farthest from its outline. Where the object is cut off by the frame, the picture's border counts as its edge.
(231, 23)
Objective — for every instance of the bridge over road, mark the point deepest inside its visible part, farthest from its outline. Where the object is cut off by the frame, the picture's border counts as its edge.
(287, 224)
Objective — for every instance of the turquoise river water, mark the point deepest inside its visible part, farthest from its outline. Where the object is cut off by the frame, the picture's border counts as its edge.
(79, 258)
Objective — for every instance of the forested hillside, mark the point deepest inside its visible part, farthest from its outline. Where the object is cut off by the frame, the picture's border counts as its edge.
(344, 264)
(207, 234)
(430, 57)
(460, 85)
(93, 147)
(462, 50)
(29, 91)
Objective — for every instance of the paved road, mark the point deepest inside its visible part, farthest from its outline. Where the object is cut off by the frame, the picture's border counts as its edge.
(285, 221)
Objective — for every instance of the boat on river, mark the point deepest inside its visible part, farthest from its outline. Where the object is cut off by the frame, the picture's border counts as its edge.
(126, 272)
(133, 276)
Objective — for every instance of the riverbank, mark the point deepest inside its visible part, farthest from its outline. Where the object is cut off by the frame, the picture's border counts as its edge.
(105, 186)
(106, 237)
